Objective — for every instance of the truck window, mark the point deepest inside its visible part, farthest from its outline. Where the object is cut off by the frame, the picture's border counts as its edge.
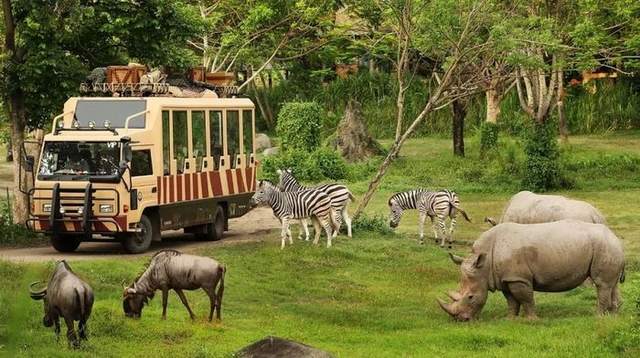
(215, 126)
(141, 163)
(180, 150)
(247, 130)
(166, 153)
(198, 138)
(233, 136)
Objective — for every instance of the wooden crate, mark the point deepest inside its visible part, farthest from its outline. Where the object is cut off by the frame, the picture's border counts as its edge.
(197, 74)
(125, 74)
(221, 78)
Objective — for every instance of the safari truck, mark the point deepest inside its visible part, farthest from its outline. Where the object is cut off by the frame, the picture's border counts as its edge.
(127, 168)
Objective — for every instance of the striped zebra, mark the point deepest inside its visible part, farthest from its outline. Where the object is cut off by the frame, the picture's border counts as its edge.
(338, 193)
(297, 205)
(440, 204)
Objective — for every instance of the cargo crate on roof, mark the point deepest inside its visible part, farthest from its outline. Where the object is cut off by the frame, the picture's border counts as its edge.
(221, 78)
(197, 74)
(125, 74)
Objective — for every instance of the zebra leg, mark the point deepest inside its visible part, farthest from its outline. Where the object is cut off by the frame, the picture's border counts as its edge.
(423, 217)
(317, 228)
(433, 227)
(443, 229)
(285, 229)
(338, 219)
(327, 228)
(452, 227)
(304, 226)
(347, 220)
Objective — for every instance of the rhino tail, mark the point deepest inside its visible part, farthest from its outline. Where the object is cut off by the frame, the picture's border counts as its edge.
(623, 276)
(220, 292)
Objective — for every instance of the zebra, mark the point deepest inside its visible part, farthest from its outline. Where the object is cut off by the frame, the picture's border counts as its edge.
(338, 193)
(440, 204)
(297, 205)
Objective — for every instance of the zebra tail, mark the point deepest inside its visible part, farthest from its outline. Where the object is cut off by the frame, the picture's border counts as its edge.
(353, 198)
(462, 211)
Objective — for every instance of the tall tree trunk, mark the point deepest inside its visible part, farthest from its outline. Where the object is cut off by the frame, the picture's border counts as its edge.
(9, 156)
(562, 122)
(493, 105)
(20, 201)
(459, 109)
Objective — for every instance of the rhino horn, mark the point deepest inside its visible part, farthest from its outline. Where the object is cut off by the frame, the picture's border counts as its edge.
(448, 307)
(453, 295)
(456, 259)
(37, 295)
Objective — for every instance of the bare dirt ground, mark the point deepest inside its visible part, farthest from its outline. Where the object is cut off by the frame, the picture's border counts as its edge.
(255, 225)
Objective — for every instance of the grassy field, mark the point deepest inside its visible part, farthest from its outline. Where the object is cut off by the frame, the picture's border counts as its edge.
(370, 296)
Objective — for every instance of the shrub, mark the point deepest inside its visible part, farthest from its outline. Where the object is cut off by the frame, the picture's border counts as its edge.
(323, 163)
(542, 171)
(329, 162)
(377, 224)
(299, 126)
(488, 137)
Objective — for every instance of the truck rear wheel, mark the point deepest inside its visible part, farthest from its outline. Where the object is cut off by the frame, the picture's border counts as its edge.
(214, 230)
(65, 243)
(139, 242)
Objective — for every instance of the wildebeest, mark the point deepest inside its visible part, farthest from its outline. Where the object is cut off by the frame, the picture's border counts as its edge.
(529, 208)
(170, 269)
(67, 296)
(519, 259)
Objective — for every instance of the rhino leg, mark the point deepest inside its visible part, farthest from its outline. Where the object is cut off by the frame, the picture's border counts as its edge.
(605, 294)
(523, 293)
(184, 302)
(514, 305)
(616, 300)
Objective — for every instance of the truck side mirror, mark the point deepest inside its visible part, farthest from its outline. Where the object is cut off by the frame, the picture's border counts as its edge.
(122, 167)
(28, 162)
(127, 153)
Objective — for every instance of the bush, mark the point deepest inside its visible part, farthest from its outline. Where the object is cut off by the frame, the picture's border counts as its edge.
(542, 171)
(377, 224)
(299, 126)
(321, 164)
(15, 234)
(488, 137)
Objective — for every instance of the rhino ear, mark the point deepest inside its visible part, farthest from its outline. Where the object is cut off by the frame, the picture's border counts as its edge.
(456, 259)
(480, 260)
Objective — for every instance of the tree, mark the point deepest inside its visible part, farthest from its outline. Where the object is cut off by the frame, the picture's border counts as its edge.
(445, 32)
(49, 47)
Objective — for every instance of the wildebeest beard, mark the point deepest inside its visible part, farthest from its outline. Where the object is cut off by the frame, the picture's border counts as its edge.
(134, 303)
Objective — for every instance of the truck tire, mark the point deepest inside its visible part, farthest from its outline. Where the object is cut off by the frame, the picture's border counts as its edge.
(214, 230)
(139, 242)
(65, 243)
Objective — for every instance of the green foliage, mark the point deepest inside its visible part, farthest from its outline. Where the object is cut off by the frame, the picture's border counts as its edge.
(322, 163)
(15, 234)
(377, 224)
(299, 126)
(488, 137)
(542, 169)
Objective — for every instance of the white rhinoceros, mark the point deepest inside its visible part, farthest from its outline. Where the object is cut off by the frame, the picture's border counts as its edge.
(519, 259)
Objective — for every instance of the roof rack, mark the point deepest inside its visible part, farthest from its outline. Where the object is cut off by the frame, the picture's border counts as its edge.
(197, 89)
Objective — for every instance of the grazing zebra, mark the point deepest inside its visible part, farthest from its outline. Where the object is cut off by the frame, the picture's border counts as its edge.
(338, 193)
(297, 205)
(440, 204)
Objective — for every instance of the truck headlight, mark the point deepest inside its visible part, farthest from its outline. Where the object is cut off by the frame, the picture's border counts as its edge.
(80, 210)
(106, 208)
(46, 207)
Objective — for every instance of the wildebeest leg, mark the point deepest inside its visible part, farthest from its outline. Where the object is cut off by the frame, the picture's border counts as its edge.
(423, 216)
(523, 293)
(514, 305)
(317, 228)
(184, 302)
(165, 297)
(71, 334)
(82, 328)
(56, 329)
(616, 300)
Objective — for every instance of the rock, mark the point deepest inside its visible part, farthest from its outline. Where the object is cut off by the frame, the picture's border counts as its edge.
(274, 347)
(262, 142)
(270, 152)
(354, 142)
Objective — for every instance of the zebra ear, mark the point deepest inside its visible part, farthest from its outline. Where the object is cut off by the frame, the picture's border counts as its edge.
(289, 170)
(279, 171)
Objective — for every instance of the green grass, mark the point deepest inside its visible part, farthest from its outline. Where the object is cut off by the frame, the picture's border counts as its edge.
(370, 296)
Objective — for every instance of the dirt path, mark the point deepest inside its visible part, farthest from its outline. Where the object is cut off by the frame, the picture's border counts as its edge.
(253, 226)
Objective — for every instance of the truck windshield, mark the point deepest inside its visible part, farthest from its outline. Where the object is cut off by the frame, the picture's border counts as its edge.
(75, 160)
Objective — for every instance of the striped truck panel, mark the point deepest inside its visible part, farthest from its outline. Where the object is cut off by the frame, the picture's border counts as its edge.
(194, 186)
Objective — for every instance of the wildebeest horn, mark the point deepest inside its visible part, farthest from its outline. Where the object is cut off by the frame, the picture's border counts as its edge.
(446, 306)
(37, 295)
(453, 295)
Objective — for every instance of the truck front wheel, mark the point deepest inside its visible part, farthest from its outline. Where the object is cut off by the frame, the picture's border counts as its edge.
(65, 243)
(138, 242)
